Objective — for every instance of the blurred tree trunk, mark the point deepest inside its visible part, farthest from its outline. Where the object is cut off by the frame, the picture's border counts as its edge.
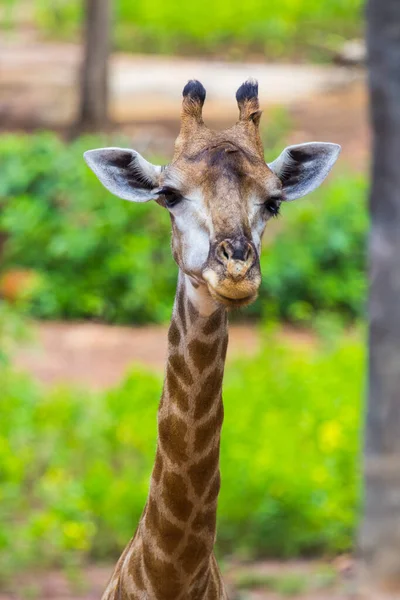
(94, 82)
(380, 530)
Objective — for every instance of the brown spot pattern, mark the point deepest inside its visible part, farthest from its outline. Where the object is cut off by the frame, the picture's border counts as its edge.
(213, 323)
(172, 433)
(193, 313)
(213, 590)
(202, 354)
(163, 576)
(123, 595)
(205, 519)
(220, 414)
(203, 571)
(167, 534)
(174, 335)
(200, 471)
(177, 362)
(224, 347)
(175, 497)
(135, 569)
(180, 306)
(216, 579)
(202, 582)
(206, 398)
(176, 392)
(162, 399)
(194, 552)
(215, 487)
(122, 558)
(205, 433)
(158, 467)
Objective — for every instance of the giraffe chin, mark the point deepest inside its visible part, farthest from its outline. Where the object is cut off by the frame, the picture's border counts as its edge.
(230, 293)
(232, 302)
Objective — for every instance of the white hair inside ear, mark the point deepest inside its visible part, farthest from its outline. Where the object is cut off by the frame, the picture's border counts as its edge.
(303, 167)
(125, 173)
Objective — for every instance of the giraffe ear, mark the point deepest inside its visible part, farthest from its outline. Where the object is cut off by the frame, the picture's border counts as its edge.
(125, 173)
(302, 168)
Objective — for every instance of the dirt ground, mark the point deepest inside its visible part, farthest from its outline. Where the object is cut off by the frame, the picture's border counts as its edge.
(268, 580)
(97, 356)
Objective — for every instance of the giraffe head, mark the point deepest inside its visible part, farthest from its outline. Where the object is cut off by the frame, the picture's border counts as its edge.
(219, 191)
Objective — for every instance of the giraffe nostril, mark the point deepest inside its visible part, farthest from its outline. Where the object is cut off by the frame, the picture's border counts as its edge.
(225, 251)
(250, 254)
(237, 250)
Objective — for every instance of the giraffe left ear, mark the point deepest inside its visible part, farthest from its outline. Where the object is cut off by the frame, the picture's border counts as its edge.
(302, 168)
(125, 173)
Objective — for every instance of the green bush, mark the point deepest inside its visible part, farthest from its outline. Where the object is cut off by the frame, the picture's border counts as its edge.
(12, 329)
(317, 260)
(97, 256)
(290, 452)
(279, 28)
(100, 257)
(75, 465)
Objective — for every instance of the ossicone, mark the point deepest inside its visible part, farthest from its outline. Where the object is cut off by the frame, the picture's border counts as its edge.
(247, 99)
(194, 96)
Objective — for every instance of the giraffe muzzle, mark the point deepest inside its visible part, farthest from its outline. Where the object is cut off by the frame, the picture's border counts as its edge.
(237, 256)
(233, 277)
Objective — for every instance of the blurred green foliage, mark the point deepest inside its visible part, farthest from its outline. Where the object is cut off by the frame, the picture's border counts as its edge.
(277, 28)
(316, 262)
(291, 451)
(99, 257)
(13, 329)
(75, 465)
(96, 255)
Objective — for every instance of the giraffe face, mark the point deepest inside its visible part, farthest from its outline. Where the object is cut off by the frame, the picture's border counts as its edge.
(219, 191)
(220, 197)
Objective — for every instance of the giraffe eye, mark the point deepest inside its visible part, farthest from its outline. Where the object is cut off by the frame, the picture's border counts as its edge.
(171, 197)
(273, 206)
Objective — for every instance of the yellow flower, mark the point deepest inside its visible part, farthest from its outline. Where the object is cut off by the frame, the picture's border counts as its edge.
(76, 535)
(330, 436)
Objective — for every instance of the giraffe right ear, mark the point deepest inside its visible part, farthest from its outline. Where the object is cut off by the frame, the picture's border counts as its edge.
(303, 167)
(125, 173)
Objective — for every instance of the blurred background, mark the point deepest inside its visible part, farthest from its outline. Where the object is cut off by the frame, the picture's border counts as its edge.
(87, 283)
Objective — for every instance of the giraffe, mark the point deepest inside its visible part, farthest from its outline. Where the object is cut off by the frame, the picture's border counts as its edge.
(220, 194)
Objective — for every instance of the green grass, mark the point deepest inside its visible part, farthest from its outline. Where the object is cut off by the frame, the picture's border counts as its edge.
(286, 585)
(75, 465)
(278, 28)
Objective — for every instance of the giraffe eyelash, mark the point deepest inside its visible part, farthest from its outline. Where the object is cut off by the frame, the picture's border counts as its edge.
(172, 197)
(273, 206)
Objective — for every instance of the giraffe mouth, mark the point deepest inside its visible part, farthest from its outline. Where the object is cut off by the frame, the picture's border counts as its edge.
(232, 294)
(231, 302)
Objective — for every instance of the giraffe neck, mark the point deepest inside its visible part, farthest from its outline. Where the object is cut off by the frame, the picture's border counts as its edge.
(179, 523)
